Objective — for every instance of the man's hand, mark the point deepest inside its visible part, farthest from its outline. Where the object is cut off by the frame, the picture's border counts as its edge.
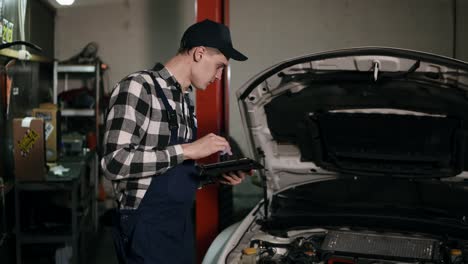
(234, 178)
(206, 146)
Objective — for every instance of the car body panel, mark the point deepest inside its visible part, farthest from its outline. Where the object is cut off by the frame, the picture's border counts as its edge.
(283, 159)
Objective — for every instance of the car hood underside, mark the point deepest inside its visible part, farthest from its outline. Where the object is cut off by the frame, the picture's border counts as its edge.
(365, 111)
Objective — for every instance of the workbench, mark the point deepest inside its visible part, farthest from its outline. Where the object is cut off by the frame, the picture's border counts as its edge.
(80, 185)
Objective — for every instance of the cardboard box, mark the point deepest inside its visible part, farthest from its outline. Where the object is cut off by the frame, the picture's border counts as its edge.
(51, 116)
(29, 149)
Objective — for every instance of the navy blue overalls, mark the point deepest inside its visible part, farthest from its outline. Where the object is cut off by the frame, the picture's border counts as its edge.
(161, 229)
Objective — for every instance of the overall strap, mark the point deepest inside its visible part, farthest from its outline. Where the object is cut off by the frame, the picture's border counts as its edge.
(191, 121)
(171, 113)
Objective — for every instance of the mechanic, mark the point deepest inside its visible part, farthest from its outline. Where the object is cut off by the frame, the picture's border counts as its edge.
(150, 148)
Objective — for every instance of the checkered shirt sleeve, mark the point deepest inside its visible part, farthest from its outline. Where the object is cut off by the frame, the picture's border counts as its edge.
(127, 153)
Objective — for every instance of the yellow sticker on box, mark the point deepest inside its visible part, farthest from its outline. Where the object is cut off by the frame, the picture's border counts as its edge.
(27, 142)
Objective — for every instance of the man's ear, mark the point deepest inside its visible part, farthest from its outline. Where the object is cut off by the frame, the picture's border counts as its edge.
(198, 53)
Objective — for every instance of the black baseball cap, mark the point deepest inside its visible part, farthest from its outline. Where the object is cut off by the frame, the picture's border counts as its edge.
(211, 34)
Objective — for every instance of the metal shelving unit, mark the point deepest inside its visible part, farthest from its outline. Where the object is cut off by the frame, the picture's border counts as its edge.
(69, 72)
(78, 112)
(76, 68)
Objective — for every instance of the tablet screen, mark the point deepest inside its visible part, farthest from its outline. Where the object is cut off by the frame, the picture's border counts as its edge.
(243, 164)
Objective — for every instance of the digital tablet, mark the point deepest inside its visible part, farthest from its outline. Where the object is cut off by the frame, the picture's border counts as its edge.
(217, 169)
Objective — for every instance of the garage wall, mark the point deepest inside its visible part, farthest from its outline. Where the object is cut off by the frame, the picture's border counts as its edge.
(132, 35)
(269, 31)
(462, 30)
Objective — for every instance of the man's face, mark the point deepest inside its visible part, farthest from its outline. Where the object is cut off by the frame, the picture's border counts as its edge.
(208, 67)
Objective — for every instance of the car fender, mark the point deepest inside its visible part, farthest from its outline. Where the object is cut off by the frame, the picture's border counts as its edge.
(217, 246)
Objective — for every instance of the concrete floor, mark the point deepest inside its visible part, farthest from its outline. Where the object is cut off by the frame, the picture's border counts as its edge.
(246, 196)
(104, 251)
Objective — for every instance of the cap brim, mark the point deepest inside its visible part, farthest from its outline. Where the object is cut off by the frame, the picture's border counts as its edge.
(232, 53)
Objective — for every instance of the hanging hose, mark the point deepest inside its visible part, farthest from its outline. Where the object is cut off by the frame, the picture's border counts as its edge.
(20, 42)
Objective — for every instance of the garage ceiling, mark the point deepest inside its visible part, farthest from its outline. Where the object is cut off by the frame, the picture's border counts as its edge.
(85, 3)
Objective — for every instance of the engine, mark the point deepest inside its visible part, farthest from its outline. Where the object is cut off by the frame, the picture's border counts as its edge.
(352, 247)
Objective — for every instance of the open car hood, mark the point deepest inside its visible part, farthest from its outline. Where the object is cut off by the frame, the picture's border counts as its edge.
(380, 112)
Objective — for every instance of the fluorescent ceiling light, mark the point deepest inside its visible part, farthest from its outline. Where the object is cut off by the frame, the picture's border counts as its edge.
(65, 2)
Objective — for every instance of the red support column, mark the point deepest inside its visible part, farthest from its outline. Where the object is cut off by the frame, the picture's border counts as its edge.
(212, 114)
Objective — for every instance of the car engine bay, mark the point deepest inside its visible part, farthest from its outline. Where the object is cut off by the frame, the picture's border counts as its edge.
(346, 246)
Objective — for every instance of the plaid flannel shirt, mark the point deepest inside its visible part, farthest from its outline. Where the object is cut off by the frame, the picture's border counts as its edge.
(137, 133)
